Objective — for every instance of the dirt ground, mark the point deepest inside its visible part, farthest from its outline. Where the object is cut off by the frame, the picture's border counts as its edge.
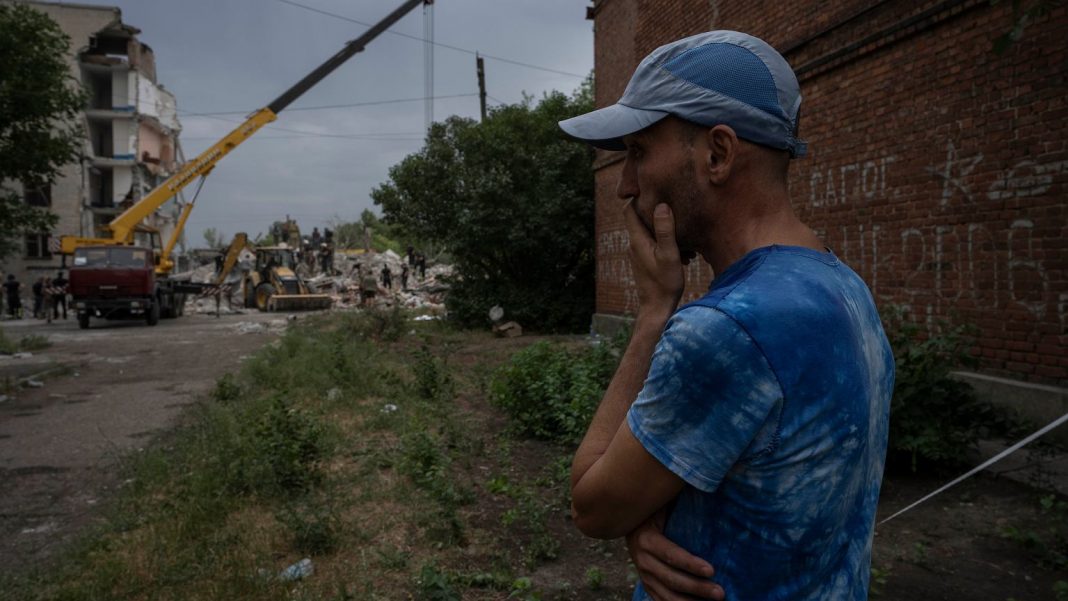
(116, 386)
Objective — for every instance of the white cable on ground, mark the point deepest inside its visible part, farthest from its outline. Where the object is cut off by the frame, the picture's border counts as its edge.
(996, 458)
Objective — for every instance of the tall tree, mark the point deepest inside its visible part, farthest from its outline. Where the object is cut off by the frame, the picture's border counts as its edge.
(512, 200)
(39, 103)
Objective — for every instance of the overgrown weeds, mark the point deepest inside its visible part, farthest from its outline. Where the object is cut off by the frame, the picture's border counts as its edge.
(551, 391)
(28, 343)
(935, 419)
(349, 441)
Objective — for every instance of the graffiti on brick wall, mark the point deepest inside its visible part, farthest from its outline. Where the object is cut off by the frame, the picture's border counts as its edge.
(613, 269)
(613, 266)
(856, 183)
(932, 268)
(939, 266)
(954, 174)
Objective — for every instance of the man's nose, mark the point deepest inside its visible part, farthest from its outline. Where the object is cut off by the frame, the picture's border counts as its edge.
(627, 187)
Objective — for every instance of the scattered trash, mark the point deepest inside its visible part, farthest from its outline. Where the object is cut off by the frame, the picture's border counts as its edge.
(35, 383)
(426, 317)
(496, 313)
(22, 355)
(508, 329)
(389, 408)
(297, 571)
(333, 394)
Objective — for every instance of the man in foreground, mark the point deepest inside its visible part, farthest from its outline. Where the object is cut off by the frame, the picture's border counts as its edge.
(745, 431)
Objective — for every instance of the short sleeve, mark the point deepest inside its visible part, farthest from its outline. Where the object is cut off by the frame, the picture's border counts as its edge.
(709, 395)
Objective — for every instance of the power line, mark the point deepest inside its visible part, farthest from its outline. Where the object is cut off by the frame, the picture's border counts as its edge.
(385, 137)
(273, 127)
(335, 106)
(449, 46)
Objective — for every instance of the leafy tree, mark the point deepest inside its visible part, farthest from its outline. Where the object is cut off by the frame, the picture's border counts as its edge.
(39, 103)
(512, 200)
(215, 239)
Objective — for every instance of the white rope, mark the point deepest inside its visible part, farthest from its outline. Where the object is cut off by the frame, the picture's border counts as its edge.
(985, 464)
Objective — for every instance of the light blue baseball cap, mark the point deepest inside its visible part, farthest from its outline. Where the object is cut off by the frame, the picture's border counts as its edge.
(712, 78)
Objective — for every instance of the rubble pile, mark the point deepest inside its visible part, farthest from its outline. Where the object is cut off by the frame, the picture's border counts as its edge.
(353, 269)
(351, 272)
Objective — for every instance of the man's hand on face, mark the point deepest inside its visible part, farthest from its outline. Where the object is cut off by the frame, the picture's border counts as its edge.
(654, 258)
(669, 572)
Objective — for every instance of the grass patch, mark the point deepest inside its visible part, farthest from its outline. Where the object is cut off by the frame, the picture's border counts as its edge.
(28, 343)
(358, 440)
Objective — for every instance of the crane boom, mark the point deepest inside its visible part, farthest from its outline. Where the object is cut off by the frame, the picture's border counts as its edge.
(121, 229)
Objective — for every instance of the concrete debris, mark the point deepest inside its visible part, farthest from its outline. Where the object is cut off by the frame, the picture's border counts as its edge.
(426, 317)
(356, 281)
(22, 356)
(251, 327)
(508, 329)
(389, 408)
(35, 383)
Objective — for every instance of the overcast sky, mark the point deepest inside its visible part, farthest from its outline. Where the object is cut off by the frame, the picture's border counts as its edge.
(238, 55)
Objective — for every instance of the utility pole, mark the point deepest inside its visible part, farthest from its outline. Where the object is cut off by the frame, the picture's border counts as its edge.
(480, 66)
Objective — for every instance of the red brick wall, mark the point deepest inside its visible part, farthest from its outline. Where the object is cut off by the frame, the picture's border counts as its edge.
(937, 168)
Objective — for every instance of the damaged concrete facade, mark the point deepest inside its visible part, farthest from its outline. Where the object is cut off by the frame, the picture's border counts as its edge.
(130, 127)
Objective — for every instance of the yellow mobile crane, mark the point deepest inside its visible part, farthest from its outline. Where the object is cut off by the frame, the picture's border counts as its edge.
(113, 276)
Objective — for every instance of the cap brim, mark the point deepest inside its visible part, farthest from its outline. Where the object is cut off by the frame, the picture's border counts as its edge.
(605, 128)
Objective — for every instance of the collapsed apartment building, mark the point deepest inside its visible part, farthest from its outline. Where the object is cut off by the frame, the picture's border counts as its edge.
(130, 127)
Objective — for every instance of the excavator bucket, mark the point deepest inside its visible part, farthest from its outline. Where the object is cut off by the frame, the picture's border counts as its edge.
(299, 302)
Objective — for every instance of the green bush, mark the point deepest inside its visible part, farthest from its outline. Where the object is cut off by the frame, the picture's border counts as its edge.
(432, 380)
(935, 420)
(226, 389)
(551, 392)
(290, 444)
(435, 585)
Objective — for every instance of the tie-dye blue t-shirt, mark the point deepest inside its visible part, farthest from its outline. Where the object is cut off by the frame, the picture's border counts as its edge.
(770, 398)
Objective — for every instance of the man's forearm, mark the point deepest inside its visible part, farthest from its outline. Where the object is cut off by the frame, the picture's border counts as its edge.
(622, 391)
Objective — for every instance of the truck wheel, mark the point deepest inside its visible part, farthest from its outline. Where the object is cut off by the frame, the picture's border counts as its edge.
(83, 321)
(152, 317)
(264, 292)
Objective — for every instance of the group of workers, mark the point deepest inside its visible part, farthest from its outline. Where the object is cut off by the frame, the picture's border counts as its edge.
(49, 297)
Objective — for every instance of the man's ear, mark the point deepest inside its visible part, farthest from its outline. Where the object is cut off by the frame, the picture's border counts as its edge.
(720, 151)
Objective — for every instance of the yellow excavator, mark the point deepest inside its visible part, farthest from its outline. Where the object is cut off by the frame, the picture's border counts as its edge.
(107, 281)
(272, 284)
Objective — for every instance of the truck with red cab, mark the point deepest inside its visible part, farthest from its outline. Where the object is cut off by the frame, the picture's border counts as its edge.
(120, 282)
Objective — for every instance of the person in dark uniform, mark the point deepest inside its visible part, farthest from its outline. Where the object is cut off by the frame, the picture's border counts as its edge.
(38, 296)
(59, 298)
(11, 291)
(387, 278)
